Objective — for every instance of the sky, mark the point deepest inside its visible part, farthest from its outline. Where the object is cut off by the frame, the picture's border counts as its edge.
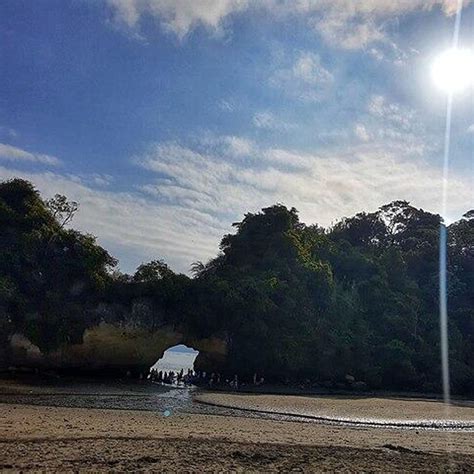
(168, 120)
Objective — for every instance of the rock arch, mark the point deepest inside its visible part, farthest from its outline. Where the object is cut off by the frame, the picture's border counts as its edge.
(116, 349)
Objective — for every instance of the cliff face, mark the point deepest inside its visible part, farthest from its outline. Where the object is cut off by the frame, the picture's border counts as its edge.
(115, 349)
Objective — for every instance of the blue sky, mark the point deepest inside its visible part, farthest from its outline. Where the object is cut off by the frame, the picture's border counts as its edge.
(169, 119)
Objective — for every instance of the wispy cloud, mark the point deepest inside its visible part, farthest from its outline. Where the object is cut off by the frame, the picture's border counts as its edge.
(12, 153)
(305, 79)
(361, 132)
(347, 24)
(387, 159)
(178, 16)
(130, 225)
(269, 121)
(8, 133)
(323, 186)
(228, 104)
(395, 127)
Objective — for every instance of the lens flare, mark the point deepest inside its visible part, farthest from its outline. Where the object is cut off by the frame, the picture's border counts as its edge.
(453, 70)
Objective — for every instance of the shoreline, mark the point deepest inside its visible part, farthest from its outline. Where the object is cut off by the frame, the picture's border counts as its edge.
(53, 380)
(372, 412)
(347, 422)
(337, 409)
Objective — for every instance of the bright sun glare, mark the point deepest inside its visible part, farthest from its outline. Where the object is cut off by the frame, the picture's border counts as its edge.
(453, 70)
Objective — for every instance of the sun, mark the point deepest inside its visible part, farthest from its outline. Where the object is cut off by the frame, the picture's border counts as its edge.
(453, 70)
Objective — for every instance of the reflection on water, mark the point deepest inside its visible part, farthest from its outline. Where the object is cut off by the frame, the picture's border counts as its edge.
(119, 395)
(108, 395)
(171, 401)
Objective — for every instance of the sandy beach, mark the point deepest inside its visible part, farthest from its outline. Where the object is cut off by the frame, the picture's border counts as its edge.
(60, 439)
(402, 411)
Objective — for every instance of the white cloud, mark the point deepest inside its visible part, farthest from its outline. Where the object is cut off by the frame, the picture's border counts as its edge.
(7, 132)
(102, 179)
(322, 186)
(308, 68)
(349, 24)
(178, 16)
(354, 24)
(348, 32)
(387, 162)
(361, 132)
(224, 145)
(239, 146)
(306, 79)
(268, 121)
(398, 127)
(377, 54)
(228, 105)
(129, 225)
(12, 153)
(470, 129)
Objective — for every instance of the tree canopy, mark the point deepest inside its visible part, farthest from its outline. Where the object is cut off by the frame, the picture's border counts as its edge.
(293, 300)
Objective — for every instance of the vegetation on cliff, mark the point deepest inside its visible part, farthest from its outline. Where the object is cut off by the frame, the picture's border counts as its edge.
(293, 300)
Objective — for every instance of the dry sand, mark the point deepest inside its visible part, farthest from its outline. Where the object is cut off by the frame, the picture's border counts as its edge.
(64, 439)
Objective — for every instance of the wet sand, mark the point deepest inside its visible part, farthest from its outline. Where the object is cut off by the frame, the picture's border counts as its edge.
(399, 411)
(58, 439)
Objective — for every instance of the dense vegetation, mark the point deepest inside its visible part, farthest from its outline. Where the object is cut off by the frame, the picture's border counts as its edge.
(294, 301)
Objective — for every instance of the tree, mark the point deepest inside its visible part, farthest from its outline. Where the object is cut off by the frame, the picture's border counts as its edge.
(51, 275)
(63, 211)
(153, 271)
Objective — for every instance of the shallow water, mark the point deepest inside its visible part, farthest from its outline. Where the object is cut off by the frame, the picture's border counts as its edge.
(174, 400)
(111, 395)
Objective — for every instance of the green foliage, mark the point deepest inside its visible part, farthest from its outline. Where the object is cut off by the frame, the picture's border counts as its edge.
(293, 301)
(49, 276)
(152, 271)
(62, 210)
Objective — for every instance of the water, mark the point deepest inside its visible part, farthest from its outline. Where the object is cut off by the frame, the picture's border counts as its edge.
(171, 401)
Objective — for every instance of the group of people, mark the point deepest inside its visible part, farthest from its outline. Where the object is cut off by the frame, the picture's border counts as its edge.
(192, 377)
(171, 377)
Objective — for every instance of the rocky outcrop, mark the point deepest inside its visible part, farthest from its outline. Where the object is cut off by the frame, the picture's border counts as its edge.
(115, 349)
